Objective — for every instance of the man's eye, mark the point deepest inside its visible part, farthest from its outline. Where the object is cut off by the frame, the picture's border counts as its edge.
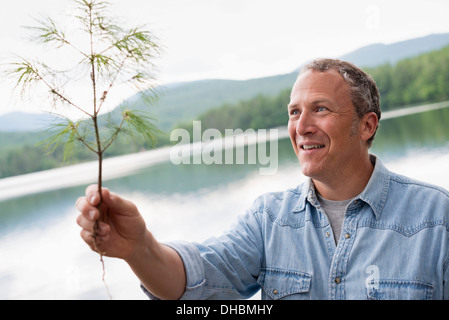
(294, 112)
(321, 109)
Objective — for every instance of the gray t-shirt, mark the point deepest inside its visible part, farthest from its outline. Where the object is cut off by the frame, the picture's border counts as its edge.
(335, 211)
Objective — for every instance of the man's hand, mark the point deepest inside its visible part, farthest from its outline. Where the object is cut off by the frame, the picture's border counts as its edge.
(122, 233)
(121, 230)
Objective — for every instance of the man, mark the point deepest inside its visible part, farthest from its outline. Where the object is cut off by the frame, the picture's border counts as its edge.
(353, 230)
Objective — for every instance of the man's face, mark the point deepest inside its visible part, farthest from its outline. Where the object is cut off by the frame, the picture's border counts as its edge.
(323, 126)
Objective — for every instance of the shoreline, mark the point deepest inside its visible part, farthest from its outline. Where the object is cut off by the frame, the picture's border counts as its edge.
(114, 167)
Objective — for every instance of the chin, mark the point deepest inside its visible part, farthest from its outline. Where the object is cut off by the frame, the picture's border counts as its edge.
(311, 170)
(308, 172)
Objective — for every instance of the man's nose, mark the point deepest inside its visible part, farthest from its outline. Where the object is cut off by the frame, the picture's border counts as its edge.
(305, 124)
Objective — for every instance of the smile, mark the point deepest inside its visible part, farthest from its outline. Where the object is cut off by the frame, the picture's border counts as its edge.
(314, 146)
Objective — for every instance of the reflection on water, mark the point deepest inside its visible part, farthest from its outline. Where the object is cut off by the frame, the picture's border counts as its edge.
(43, 257)
(405, 136)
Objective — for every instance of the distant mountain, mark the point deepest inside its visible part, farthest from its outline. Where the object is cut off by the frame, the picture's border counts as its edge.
(23, 121)
(377, 54)
(185, 101)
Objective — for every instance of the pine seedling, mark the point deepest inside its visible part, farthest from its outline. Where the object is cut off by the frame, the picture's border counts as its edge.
(104, 55)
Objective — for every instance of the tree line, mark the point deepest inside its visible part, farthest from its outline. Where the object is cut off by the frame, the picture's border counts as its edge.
(421, 79)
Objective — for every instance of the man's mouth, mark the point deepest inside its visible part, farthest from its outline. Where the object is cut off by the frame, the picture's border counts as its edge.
(312, 146)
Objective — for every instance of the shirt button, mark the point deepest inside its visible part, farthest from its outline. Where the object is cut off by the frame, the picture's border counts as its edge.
(275, 291)
(347, 236)
(328, 234)
(337, 280)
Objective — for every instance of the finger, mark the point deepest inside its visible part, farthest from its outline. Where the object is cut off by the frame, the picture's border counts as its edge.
(81, 203)
(88, 224)
(92, 195)
(103, 229)
(88, 210)
(84, 222)
(96, 242)
(87, 236)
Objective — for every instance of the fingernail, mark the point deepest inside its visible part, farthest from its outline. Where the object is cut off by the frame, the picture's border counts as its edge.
(91, 214)
(92, 199)
(102, 228)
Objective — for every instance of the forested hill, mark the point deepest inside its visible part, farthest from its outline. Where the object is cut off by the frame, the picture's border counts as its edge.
(424, 78)
(412, 81)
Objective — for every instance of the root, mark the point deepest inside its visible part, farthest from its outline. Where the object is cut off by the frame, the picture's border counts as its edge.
(94, 236)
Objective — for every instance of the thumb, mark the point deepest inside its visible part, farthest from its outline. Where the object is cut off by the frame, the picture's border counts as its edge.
(117, 203)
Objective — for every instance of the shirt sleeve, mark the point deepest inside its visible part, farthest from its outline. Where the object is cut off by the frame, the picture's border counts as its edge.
(225, 267)
(193, 266)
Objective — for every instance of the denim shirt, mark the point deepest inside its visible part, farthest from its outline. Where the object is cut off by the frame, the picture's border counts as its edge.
(394, 244)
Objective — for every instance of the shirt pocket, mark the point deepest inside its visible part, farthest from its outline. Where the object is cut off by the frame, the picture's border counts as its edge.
(399, 290)
(280, 283)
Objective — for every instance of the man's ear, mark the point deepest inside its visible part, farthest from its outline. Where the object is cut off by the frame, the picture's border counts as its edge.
(368, 125)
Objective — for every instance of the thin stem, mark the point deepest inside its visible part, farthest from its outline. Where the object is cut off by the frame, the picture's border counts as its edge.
(100, 204)
(94, 83)
(105, 93)
(64, 40)
(83, 141)
(123, 40)
(53, 89)
(95, 113)
(114, 136)
(99, 150)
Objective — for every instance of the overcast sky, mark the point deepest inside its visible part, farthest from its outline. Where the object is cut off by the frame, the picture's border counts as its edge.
(241, 39)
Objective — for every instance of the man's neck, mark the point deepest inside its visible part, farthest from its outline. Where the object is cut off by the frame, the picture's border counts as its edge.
(348, 186)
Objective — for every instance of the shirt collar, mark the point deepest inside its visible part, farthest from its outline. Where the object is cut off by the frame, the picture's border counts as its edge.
(306, 192)
(376, 191)
(374, 194)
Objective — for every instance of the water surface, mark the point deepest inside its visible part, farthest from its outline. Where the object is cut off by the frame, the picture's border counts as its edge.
(43, 257)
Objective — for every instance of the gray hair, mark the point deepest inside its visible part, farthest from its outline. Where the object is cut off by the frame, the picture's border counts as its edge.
(365, 95)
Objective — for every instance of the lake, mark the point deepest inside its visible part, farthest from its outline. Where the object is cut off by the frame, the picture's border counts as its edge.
(43, 257)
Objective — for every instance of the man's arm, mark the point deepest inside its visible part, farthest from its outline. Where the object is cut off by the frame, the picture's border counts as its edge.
(159, 268)
(122, 233)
